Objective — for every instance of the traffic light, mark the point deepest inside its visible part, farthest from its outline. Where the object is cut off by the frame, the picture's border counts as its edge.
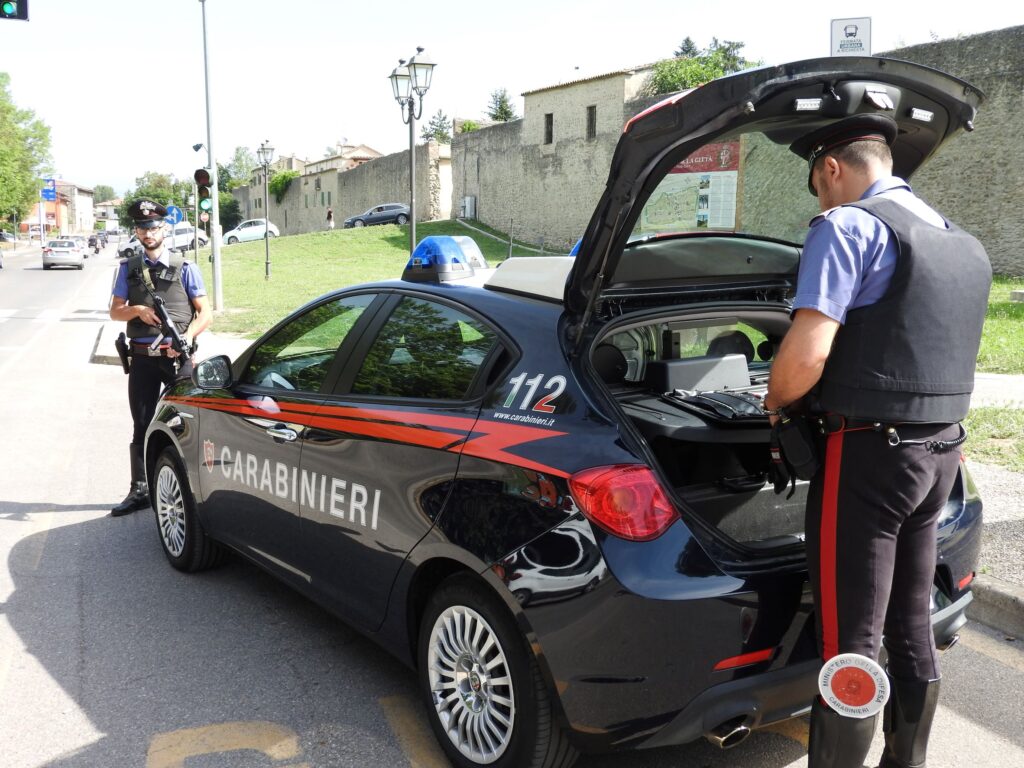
(14, 9)
(204, 192)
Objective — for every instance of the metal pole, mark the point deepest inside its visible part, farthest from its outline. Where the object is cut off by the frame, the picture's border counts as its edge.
(511, 223)
(40, 221)
(412, 173)
(218, 294)
(266, 215)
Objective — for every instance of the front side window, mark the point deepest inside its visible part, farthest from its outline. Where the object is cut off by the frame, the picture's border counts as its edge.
(299, 355)
(425, 350)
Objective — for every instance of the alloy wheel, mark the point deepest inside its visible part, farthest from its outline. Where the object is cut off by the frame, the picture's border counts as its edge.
(471, 684)
(170, 511)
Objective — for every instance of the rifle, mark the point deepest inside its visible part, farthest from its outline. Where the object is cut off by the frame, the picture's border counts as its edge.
(168, 329)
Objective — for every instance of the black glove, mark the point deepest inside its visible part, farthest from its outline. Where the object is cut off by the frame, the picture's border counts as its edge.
(780, 474)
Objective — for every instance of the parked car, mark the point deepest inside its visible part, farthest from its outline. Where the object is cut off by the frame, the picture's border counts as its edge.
(250, 229)
(409, 452)
(389, 213)
(182, 238)
(63, 253)
(6, 237)
(132, 246)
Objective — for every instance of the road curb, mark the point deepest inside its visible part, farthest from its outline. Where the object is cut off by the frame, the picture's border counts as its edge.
(998, 604)
(103, 351)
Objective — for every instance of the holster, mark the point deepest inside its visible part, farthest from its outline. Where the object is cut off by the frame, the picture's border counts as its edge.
(121, 344)
(798, 445)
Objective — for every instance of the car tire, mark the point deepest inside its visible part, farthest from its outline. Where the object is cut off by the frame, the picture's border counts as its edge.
(271, 234)
(81, 266)
(232, 240)
(46, 266)
(401, 219)
(358, 223)
(182, 536)
(464, 628)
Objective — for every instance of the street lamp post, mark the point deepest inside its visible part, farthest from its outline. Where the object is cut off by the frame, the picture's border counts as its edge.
(408, 79)
(265, 154)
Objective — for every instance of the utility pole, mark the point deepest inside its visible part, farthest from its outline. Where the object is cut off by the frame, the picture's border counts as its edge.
(218, 290)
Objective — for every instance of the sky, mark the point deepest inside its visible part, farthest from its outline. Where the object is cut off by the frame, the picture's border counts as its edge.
(121, 82)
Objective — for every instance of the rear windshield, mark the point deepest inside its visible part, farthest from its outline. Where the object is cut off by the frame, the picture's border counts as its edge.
(743, 184)
(61, 244)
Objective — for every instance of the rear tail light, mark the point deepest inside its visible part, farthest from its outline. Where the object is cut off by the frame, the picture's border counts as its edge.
(625, 499)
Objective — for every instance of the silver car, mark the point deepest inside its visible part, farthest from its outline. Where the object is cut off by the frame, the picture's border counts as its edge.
(63, 253)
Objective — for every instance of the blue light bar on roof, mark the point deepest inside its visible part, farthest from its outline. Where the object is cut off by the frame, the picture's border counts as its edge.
(440, 259)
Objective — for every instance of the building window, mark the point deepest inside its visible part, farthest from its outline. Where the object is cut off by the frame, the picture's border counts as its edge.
(328, 197)
(307, 201)
(591, 122)
(549, 128)
(321, 198)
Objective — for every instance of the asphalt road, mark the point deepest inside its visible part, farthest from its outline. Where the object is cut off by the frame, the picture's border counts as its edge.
(109, 658)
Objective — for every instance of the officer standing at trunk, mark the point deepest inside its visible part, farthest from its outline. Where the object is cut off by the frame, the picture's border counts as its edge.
(153, 362)
(887, 322)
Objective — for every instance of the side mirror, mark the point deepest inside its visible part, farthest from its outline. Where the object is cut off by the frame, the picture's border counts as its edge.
(213, 373)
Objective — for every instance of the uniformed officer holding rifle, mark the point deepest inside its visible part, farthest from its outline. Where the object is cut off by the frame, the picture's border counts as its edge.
(888, 314)
(144, 281)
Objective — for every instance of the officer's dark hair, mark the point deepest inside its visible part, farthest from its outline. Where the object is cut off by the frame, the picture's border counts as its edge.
(859, 154)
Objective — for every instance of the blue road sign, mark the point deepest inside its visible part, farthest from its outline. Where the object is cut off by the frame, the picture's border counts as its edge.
(174, 215)
(49, 191)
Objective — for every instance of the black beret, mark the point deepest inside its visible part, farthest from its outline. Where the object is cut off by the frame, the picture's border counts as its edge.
(147, 214)
(867, 127)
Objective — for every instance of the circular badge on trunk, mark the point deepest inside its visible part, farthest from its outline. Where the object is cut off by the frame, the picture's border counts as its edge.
(853, 685)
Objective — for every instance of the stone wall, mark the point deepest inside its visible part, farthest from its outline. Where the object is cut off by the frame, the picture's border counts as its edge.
(383, 180)
(977, 179)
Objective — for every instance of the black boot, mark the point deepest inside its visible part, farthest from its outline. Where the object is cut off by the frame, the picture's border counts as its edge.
(907, 723)
(138, 496)
(837, 741)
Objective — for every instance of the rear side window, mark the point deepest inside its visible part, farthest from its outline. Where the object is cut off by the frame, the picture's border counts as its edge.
(425, 350)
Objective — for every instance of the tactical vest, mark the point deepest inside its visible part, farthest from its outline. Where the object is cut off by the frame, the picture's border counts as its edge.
(911, 356)
(166, 283)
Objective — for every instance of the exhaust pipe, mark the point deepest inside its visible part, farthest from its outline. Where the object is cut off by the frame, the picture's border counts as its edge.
(729, 733)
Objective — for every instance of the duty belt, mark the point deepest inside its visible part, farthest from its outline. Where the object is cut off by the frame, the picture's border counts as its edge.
(145, 350)
(833, 422)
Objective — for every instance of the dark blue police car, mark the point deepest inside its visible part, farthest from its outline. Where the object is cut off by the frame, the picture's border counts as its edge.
(543, 486)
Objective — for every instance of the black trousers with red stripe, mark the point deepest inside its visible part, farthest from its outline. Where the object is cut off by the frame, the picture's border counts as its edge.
(871, 544)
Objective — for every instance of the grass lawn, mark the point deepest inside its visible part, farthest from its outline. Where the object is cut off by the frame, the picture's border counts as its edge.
(1002, 345)
(996, 436)
(303, 267)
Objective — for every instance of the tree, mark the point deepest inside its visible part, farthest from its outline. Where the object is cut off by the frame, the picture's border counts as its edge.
(236, 171)
(101, 193)
(439, 128)
(688, 49)
(230, 211)
(720, 58)
(728, 53)
(468, 126)
(24, 154)
(501, 108)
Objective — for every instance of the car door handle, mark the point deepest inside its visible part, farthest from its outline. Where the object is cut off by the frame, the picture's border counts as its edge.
(281, 432)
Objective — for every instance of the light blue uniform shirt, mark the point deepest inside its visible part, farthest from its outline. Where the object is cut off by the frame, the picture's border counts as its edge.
(849, 255)
(191, 279)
